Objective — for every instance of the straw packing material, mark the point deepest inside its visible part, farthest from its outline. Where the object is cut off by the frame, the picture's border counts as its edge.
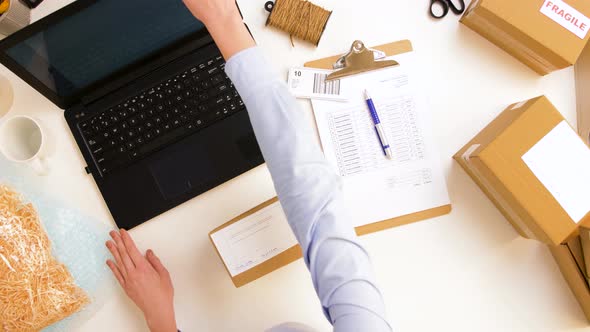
(35, 289)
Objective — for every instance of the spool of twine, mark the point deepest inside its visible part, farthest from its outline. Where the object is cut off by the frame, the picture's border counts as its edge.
(301, 19)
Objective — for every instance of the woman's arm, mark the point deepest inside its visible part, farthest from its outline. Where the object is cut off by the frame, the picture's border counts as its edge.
(308, 187)
(309, 190)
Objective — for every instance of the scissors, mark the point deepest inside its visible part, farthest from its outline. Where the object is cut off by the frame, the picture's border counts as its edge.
(445, 5)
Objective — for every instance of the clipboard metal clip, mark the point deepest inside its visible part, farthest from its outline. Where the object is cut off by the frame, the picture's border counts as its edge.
(360, 59)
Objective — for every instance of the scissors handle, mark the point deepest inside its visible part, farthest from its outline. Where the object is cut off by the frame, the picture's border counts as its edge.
(443, 4)
(457, 10)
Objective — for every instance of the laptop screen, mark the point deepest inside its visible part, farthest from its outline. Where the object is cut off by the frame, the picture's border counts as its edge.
(105, 37)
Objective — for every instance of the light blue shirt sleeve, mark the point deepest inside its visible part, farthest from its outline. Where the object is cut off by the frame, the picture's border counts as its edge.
(310, 192)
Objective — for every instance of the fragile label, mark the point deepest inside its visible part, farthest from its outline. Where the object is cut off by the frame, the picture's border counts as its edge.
(566, 16)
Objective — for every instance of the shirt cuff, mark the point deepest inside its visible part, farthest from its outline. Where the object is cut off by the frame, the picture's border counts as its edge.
(249, 69)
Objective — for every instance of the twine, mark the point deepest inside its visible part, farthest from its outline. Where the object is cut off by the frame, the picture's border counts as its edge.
(301, 19)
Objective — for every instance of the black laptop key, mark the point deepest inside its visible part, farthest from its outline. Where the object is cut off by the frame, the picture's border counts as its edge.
(107, 155)
(161, 115)
(213, 71)
(217, 79)
(163, 140)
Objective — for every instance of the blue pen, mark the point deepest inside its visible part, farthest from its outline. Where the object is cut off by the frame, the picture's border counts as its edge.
(378, 127)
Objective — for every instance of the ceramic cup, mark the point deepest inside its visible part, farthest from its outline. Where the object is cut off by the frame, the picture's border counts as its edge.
(23, 140)
(17, 17)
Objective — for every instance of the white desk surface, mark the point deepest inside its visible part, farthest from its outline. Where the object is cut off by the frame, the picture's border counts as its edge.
(467, 271)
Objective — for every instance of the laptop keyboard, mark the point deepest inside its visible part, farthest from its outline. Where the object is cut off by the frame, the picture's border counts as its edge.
(161, 115)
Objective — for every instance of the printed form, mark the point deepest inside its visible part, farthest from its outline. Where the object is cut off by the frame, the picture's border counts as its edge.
(254, 239)
(377, 188)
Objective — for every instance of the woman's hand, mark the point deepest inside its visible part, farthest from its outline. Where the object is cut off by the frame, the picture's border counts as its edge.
(214, 12)
(145, 280)
(223, 20)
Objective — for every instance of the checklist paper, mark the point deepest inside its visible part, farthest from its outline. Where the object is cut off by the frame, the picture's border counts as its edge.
(375, 187)
(254, 239)
(561, 161)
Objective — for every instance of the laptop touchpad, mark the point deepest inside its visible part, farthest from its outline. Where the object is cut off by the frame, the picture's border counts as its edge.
(181, 171)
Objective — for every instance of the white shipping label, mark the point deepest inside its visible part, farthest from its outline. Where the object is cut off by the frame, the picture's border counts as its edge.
(254, 240)
(561, 162)
(566, 16)
(311, 84)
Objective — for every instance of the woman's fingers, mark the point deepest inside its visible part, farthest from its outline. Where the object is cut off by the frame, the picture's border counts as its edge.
(132, 250)
(127, 262)
(115, 252)
(157, 264)
(116, 272)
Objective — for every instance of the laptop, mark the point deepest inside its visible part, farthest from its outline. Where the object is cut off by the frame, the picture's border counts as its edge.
(145, 96)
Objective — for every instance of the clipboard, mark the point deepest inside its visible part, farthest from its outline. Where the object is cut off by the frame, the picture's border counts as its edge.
(286, 257)
(390, 49)
(294, 253)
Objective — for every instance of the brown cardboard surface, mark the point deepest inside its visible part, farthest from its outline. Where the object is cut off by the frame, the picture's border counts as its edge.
(522, 30)
(573, 276)
(498, 160)
(525, 16)
(403, 220)
(507, 43)
(585, 246)
(286, 257)
(518, 214)
(575, 247)
(488, 190)
(484, 138)
(582, 70)
(504, 159)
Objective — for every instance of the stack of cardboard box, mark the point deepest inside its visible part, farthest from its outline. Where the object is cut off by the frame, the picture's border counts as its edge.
(546, 35)
(534, 167)
(529, 161)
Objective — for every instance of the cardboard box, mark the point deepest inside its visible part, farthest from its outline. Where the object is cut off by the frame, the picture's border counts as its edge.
(585, 249)
(582, 70)
(522, 160)
(546, 35)
(565, 257)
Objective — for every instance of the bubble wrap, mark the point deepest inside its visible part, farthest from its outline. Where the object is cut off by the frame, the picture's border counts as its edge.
(77, 241)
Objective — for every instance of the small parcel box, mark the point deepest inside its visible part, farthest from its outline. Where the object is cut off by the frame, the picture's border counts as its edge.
(546, 35)
(534, 167)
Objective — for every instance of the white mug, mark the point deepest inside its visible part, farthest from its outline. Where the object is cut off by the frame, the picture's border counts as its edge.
(23, 140)
(6, 96)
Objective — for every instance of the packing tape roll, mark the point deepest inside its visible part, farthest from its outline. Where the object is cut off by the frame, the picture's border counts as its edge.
(17, 17)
